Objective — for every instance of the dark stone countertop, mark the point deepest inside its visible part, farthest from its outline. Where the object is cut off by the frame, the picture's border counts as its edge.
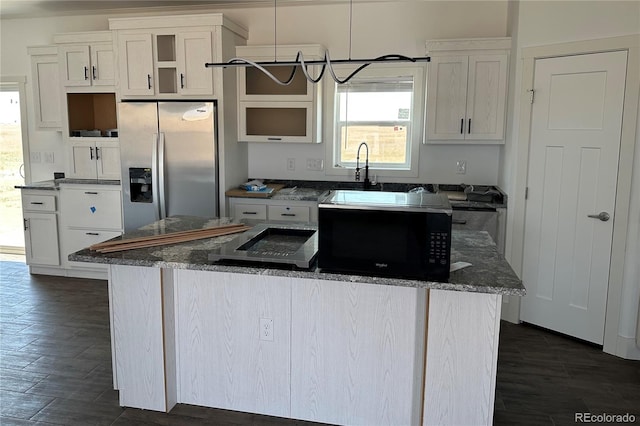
(489, 273)
(54, 184)
(296, 190)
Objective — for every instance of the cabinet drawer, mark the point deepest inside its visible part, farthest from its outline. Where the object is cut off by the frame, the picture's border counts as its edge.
(290, 213)
(250, 211)
(93, 209)
(41, 203)
(77, 239)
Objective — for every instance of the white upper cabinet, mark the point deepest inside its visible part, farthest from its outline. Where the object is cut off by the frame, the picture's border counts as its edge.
(45, 80)
(193, 50)
(270, 112)
(467, 90)
(86, 59)
(165, 57)
(135, 58)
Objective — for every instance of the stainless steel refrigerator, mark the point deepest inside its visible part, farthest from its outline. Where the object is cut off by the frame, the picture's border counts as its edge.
(168, 154)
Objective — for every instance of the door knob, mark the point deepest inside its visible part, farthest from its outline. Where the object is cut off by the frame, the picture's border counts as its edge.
(603, 216)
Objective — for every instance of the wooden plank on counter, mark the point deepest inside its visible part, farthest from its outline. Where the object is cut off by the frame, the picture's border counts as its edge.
(163, 236)
(171, 238)
(238, 192)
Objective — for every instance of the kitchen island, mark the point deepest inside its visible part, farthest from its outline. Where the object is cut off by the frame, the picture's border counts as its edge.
(305, 344)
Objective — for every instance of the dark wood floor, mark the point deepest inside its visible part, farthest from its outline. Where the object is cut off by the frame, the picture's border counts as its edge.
(55, 366)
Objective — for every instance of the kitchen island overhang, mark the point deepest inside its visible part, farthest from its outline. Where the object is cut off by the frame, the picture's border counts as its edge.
(342, 349)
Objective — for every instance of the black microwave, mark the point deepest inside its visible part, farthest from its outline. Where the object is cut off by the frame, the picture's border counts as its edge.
(392, 234)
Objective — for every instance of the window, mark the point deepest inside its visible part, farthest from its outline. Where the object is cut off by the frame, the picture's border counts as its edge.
(383, 109)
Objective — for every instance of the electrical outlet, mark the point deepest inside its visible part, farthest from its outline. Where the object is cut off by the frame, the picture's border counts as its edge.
(48, 157)
(316, 164)
(291, 164)
(266, 329)
(461, 167)
(35, 157)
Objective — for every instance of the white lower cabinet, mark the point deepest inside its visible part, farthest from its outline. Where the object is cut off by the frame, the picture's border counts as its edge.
(273, 210)
(90, 214)
(40, 219)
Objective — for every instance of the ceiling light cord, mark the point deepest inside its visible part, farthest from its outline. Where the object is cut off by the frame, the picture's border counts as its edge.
(325, 62)
(350, 24)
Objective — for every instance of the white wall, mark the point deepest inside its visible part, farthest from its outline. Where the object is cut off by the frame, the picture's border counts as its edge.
(378, 28)
(381, 28)
(539, 23)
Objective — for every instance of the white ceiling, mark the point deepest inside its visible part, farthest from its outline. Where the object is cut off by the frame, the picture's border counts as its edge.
(43, 8)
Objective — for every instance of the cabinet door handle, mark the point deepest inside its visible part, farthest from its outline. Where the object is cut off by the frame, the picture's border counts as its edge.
(459, 221)
(91, 153)
(92, 233)
(93, 72)
(37, 203)
(469, 127)
(274, 139)
(288, 214)
(181, 80)
(249, 212)
(461, 126)
(90, 192)
(86, 73)
(25, 224)
(97, 153)
(149, 80)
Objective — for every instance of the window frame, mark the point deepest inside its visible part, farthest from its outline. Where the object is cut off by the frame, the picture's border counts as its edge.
(415, 125)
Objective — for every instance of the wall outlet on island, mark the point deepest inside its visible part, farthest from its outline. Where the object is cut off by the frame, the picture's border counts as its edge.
(461, 167)
(266, 329)
(291, 164)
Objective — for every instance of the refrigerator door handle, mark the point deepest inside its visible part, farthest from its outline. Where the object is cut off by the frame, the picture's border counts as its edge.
(161, 169)
(154, 174)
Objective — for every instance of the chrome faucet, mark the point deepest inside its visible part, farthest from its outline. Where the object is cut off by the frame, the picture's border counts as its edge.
(367, 183)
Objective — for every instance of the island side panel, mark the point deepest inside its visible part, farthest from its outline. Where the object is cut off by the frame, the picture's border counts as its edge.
(357, 353)
(461, 359)
(138, 335)
(222, 362)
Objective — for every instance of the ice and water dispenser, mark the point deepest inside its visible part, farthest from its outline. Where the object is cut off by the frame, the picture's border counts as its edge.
(140, 185)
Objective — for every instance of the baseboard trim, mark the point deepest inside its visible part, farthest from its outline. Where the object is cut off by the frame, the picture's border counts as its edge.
(626, 348)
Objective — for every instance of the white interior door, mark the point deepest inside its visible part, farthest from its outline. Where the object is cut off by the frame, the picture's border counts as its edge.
(575, 142)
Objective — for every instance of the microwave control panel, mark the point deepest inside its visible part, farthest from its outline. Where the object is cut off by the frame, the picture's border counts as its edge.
(439, 248)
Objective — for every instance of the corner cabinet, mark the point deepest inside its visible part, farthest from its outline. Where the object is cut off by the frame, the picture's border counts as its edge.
(467, 90)
(269, 112)
(86, 59)
(165, 56)
(45, 79)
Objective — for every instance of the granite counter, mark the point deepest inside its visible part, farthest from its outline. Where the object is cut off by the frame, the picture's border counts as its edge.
(489, 272)
(54, 184)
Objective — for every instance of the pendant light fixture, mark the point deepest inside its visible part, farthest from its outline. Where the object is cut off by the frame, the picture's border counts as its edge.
(326, 63)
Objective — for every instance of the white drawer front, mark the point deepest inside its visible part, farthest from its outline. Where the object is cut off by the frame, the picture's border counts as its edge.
(250, 211)
(41, 203)
(78, 239)
(289, 213)
(95, 209)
